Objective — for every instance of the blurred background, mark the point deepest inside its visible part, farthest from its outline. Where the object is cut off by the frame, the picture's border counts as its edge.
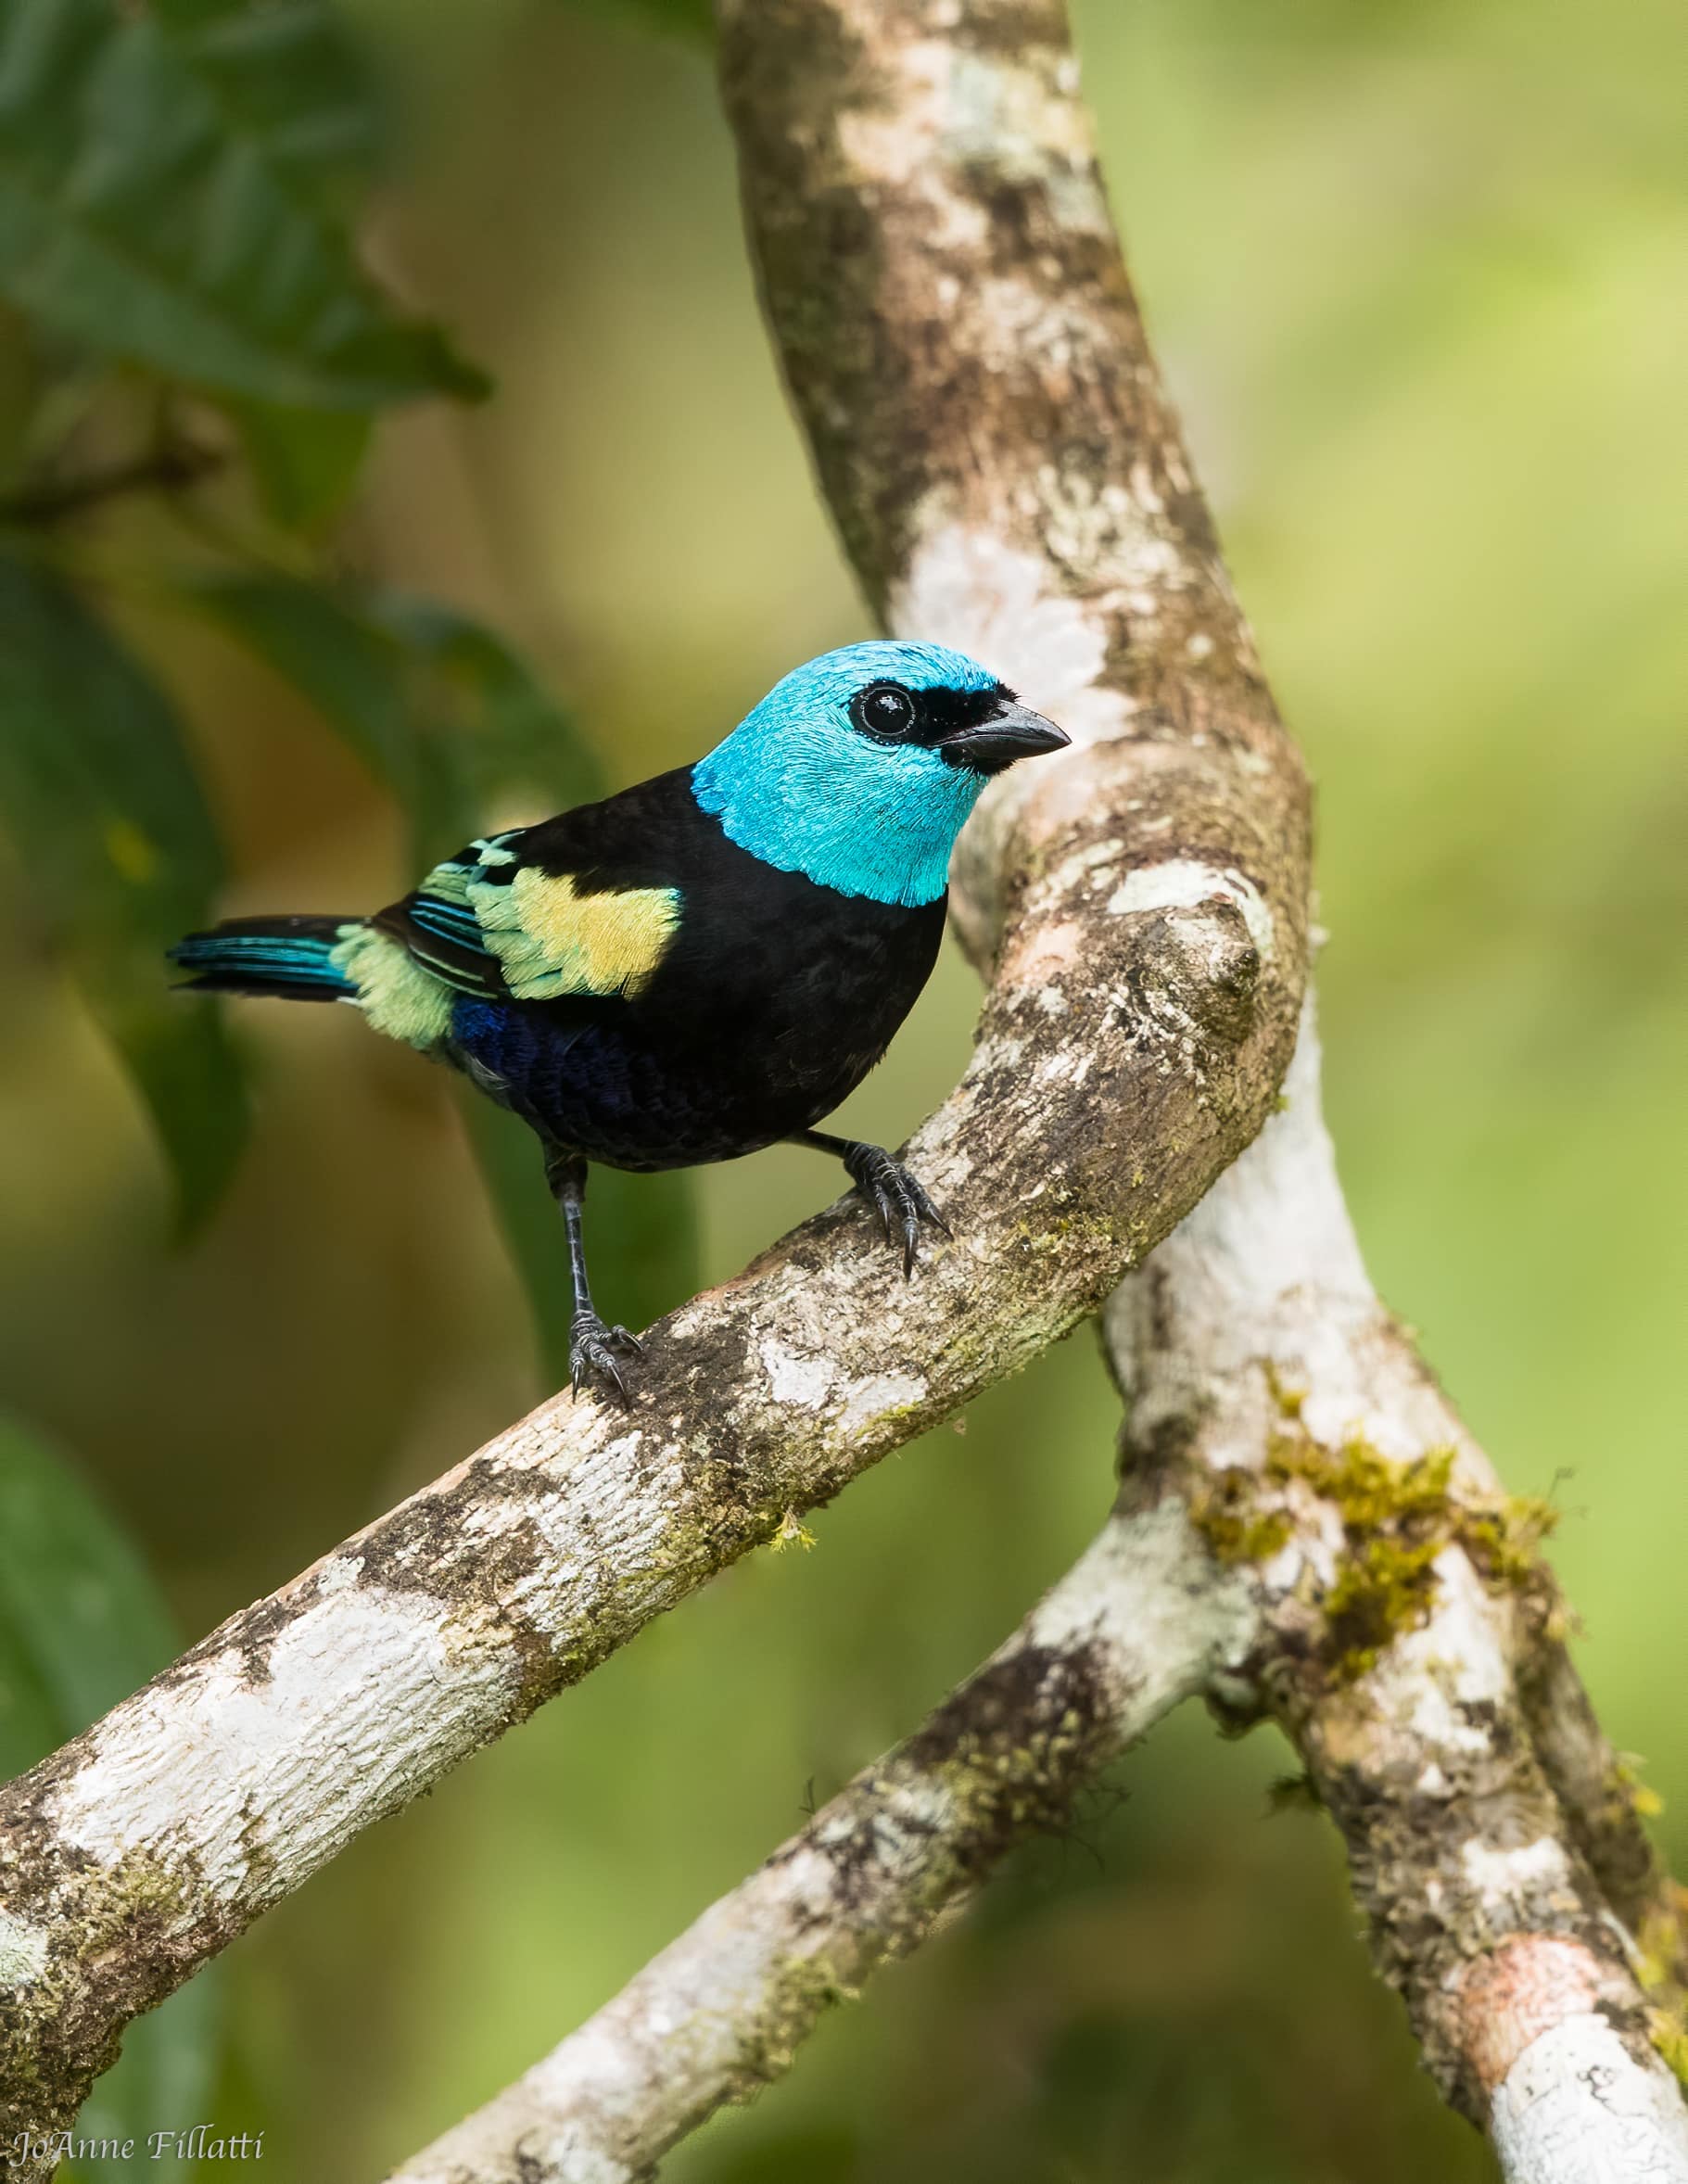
(1415, 273)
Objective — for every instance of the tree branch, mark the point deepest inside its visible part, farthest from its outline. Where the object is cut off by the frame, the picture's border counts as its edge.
(169, 468)
(1143, 1620)
(940, 274)
(945, 284)
(1403, 1613)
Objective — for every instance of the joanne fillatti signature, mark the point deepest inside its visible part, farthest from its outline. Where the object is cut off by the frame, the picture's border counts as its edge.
(195, 2142)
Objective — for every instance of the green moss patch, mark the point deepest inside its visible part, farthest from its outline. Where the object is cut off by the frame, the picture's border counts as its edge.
(1396, 1519)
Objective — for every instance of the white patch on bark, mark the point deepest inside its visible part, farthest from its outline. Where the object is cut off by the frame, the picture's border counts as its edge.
(1016, 118)
(1504, 1879)
(1267, 1267)
(919, 1811)
(938, 1151)
(1577, 2108)
(885, 1391)
(1120, 532)
(997, 1050)
(1098, 861)
(1062, 1067)
(954, 113)
(568, 2153)
(1273, 1237)
(23, 1951)
(603, 1504)
(797, 1376)
(1181, 884)
(366, 1682)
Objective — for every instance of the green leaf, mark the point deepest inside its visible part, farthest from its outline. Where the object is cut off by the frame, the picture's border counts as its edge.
(516, 736)
(82, 1625)
(77, 1603)
(168, 2068)
(296, 78)
(351, 671)
(29, 1722)
(367, 684)
(513, 1172)
(161, 201)
(300, 84)
(643, 1239)
(118, 858)
(182, 1062)
(439, 709)
(304, 462)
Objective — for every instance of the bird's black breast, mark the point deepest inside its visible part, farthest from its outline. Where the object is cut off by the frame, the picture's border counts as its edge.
(772, 1000)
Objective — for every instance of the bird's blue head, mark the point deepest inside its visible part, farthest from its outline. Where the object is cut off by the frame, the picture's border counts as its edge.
(860, 767)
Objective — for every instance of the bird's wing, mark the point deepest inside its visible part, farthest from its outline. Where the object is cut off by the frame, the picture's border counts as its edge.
(496, 922)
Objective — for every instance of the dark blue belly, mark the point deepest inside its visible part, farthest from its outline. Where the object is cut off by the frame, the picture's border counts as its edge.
(629, 1101)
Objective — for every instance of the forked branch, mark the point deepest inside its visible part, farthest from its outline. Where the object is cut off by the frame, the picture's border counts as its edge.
(944, 284)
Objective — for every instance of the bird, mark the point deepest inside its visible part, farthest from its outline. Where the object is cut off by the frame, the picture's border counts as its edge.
(703, 964)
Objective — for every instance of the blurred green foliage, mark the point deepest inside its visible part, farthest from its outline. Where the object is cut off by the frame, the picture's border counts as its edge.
(100, 798)
(162, 199)
(1413, 271)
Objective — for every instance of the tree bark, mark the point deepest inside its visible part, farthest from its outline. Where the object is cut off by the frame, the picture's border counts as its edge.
(940, 272)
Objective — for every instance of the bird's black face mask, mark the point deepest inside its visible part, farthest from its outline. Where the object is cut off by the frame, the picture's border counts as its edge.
(983, 730)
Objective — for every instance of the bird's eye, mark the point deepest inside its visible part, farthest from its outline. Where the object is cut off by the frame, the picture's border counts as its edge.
(885, 710)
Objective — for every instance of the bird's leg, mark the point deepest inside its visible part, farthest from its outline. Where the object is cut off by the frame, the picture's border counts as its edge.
(592, 1344)
(899, 1197)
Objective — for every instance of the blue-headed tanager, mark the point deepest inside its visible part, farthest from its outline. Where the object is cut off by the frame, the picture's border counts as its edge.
(703, 965)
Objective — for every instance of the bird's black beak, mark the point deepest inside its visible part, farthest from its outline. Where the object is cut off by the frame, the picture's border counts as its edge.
(1012, 731)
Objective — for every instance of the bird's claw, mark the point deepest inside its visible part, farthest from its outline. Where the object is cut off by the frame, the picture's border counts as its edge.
(899, 1198)
(591, 1348)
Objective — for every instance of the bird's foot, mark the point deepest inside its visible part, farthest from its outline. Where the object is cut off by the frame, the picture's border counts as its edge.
(591, 1349)
(900, 1198)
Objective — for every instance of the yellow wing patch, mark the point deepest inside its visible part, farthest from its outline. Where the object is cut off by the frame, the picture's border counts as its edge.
(551, 940)
(398, 995)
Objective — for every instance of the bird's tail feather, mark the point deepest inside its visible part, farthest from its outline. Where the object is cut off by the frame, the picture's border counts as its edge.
(289, 958)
